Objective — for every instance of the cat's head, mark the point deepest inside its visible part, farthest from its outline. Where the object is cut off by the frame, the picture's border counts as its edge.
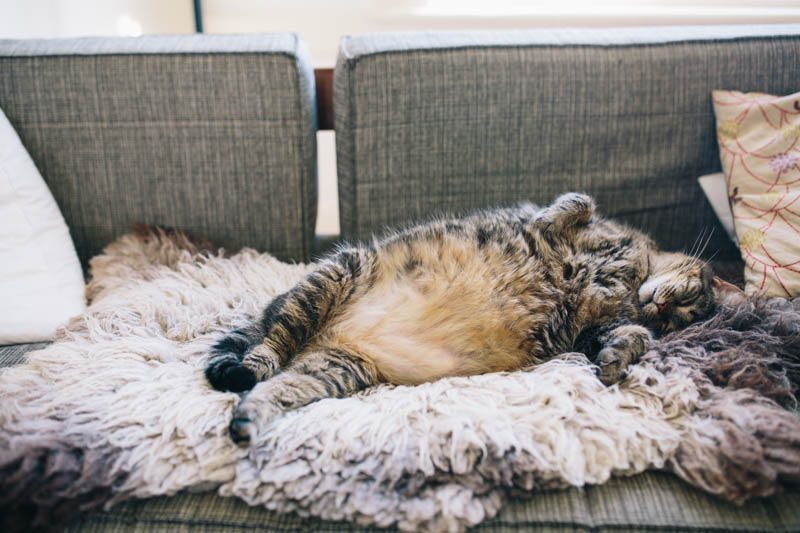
(681, 289)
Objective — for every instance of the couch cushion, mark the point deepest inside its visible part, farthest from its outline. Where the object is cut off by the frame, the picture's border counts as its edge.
(454, 121)
(652, 501)
(14, 354)
(211, 134)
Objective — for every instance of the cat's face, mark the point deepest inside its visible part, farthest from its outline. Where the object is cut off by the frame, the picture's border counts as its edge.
(679, 290)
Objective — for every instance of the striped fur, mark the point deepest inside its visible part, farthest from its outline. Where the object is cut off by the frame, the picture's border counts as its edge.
(497, 290)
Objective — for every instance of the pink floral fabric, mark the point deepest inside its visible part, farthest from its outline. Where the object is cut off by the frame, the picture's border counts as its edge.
(759, 143)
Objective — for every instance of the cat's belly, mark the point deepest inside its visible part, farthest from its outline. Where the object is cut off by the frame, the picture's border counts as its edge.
(414, 334)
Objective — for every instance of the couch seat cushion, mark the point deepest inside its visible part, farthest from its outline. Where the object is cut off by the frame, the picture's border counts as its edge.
(653, 501)
(14, 354)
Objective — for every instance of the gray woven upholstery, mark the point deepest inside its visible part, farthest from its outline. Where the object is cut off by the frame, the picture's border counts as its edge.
(14, 354)
(210, 134)
(649, 502)
(431, 122)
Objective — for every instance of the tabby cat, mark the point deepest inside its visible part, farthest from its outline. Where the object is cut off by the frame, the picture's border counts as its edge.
(498, 290)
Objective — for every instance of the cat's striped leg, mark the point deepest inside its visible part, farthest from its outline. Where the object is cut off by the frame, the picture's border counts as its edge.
(310, 377)
(291, 319)
(295, 317)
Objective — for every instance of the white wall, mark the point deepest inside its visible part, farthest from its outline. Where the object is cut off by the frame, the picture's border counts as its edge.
(71, 18)
(323, 22)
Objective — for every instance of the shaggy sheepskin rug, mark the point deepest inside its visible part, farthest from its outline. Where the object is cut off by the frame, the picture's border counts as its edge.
(118, 408)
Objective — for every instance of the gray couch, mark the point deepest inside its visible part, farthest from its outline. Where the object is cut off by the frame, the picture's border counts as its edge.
(215, 134)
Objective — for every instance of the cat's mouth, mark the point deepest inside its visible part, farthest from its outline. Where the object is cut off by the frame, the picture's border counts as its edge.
(658, 316)
(655, 313)
(651, 316)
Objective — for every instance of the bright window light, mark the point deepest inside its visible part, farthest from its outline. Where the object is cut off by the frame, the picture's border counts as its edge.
(127, 26)
(506, 8)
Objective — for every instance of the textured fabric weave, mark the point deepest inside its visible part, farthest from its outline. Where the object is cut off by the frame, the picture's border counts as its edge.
(272, 43)
(213, 135)
(14, 354)
(431, 122)
(652, 501)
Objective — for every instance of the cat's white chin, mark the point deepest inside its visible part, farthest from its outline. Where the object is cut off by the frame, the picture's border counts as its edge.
(649, 288)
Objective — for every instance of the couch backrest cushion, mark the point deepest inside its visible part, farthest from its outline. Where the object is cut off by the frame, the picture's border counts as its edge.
(454, 121)
(210, 134)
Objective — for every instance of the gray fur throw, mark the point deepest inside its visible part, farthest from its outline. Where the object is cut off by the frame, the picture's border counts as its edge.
(118, 408)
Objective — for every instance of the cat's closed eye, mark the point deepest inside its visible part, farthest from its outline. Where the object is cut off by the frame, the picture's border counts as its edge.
(688, 295)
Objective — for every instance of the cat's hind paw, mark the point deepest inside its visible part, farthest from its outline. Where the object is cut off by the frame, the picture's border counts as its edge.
(242, 431)
(225, 372)
(254, 412)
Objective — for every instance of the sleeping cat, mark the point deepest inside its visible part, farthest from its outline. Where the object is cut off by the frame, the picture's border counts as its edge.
(498, 290)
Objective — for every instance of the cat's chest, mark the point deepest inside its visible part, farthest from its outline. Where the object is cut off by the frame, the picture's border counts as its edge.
(603, 286)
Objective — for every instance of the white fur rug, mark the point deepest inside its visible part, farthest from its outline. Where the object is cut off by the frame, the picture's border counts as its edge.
(119, 408)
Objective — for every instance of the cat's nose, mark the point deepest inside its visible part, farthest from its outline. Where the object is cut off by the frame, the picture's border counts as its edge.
(662, 308)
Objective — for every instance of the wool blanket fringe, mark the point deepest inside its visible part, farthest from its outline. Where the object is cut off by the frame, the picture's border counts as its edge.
(118, 408)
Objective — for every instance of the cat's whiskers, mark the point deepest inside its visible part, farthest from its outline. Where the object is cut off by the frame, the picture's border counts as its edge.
(697, 239)
(707, 262)
(705, 245)
(696, 251)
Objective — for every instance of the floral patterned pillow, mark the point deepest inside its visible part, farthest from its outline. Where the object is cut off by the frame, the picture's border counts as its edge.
(759, 143)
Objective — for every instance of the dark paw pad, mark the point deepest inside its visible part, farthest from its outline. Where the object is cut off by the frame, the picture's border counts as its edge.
(241, 430)
(228, 374)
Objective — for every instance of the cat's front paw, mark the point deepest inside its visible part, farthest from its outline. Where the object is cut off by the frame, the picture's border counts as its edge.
(225, 372)
(612, 364)
(569, 210)
(622, 347)
(577, 206)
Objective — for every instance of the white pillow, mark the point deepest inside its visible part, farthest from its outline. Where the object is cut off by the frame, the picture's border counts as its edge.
(716, 191)
(41, 282)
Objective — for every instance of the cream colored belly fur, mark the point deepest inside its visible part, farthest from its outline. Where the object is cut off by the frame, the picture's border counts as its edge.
(439, 323)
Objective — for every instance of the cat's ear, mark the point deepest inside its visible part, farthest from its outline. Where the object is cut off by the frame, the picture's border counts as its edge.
(727, 293)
